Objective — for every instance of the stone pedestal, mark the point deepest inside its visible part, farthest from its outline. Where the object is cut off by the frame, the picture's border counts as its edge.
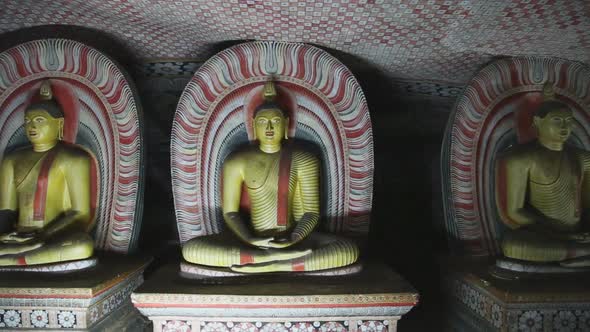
(92, 299)
(481, 302)
(372, 300)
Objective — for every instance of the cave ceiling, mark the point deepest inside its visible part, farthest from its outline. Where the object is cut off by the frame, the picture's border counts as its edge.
(431, 41)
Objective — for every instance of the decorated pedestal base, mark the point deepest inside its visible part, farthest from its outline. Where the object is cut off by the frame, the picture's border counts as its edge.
(481, 302)
(92, 299)
(372, 300)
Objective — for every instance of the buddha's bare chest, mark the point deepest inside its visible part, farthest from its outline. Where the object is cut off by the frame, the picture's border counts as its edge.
(26, 165)
(257, 171)
(549, 168)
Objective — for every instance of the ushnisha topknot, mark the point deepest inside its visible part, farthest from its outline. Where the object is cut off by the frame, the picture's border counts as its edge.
(550, 102)
(548, 92)
(269, 94)
(46, 101)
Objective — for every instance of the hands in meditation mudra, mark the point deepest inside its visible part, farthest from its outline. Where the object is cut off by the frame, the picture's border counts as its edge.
(542, 189)
(284, 193)
(45, 192)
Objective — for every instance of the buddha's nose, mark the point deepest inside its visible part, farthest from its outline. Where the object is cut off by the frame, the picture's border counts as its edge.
(269, 125)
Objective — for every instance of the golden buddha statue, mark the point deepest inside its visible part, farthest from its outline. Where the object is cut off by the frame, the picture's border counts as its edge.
(542, 188)
(282, 183)
(45, 193)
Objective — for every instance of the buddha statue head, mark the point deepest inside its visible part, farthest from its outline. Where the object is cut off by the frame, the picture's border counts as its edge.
(44, 120)
(553, 121)
(270, 121)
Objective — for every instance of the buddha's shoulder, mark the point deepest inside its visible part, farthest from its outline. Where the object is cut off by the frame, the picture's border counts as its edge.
(67, 151)
(19, 153)
(520, 153)
(64, 152)
(243, 154)
(24, 152)
(302, 155)
(581, 154)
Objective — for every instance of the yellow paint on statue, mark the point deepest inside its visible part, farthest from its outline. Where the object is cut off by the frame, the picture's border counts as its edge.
(280, 235)
(48, 186)
(542, 189)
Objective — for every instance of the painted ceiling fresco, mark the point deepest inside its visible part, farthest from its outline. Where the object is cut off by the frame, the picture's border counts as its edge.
(440, 41)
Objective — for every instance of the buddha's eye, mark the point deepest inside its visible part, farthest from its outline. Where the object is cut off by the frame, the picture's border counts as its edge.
(40, 119)
(556, 120)
(276, 121)
(27, 120)
(261, 121)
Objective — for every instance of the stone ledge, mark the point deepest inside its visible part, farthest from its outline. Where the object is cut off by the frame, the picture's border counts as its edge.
(376, 294)
(78, 300)
(551, 303)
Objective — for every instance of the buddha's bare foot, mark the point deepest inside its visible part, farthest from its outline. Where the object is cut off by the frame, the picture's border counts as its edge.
(272, 255)
(15, 249)
(262, 268)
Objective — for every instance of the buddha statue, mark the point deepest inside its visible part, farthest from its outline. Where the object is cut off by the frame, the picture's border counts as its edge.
(542, 188)
(282, 183)
(45, 192)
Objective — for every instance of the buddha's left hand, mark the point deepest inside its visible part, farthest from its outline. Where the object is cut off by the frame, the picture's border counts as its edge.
(280, 243)
(15, 237)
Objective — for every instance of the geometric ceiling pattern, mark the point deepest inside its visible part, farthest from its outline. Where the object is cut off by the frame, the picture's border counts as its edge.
(174, 75)
(444, 41)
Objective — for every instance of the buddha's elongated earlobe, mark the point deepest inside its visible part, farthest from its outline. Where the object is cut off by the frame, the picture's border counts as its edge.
(535, 123)
(548, 91)
(60, 133)
(286, 128)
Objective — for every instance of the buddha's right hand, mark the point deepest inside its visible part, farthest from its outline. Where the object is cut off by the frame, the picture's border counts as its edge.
(280, 243)
(261, 242)
(20, 248)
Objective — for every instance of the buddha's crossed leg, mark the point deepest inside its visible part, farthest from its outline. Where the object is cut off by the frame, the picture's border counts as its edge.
(72, 247)
(528, 246)
(318, 252)
(224, 250)
(328, 252)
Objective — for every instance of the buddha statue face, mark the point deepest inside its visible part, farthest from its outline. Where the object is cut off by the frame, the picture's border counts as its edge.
(42, 128)
(555, 126)
(270, 126)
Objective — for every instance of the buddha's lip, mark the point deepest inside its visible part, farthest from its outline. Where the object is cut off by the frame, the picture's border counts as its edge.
(269, 133)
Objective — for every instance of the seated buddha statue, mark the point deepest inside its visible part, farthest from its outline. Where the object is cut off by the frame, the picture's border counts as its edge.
(45, 198)
(542, 189)
(283, 186)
